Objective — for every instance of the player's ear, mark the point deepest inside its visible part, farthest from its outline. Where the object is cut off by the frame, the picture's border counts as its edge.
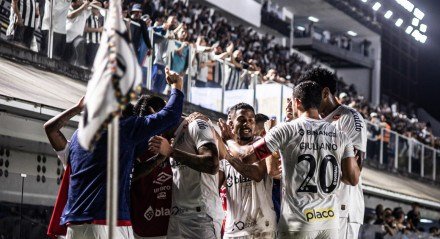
(325, 93)
(298, 104)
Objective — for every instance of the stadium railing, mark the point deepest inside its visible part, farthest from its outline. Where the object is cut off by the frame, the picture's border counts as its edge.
(395, 152)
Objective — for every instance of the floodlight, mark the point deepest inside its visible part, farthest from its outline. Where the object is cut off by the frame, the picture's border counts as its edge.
(409, 29)
(376, 6)
(313, 19)
(399, 22)
(388, 14)
(415, 22)
(352, 33)
(419, 14)
(423, 28)
(301, 28)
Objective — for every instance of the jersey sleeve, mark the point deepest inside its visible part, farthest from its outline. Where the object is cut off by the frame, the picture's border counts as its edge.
(354, 126)
(348, 146)
(63, 154)
(277, 137)
(201, 132)
(222, 165)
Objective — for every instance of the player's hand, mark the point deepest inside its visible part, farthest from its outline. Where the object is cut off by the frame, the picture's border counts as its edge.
(160, 145)
(269, 124)
(174, 79)
(225, 130)
(81, 103)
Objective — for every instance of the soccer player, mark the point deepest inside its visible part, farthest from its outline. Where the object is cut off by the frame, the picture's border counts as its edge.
(85, 211)
(351, 122)
(152, 183)
(196, 208)
(250, 212)
(313, 154)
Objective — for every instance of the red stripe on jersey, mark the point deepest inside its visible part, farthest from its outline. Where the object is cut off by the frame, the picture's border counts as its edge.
(261, 150)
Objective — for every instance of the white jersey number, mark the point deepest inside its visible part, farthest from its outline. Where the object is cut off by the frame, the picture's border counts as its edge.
(305, 187)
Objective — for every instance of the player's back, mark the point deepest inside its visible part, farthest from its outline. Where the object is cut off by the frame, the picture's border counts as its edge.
(312, 151)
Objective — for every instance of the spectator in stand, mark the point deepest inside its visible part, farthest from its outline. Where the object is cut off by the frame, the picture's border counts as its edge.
(158, 72)
(76, 21)
(180, 56)
(413, 216)
(60, 11)
(22, 21)
(139, 29)
(203, 60)
(93, 30)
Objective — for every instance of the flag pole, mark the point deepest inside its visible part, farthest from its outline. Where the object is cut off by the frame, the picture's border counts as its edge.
(112, 176)
(113, 130)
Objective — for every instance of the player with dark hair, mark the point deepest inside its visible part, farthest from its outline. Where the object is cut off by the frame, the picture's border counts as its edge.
(249, 212)
(313, 153)
(194, 158)
(151, 185)
(351, 122)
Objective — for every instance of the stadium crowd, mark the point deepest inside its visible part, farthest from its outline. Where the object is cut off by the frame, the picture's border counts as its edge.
(390, 223)
(199, 26)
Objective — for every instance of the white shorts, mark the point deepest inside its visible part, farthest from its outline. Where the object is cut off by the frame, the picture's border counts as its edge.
(348, 230)
(264, 235)
(323, 234)
(93, 231)
(193, 226)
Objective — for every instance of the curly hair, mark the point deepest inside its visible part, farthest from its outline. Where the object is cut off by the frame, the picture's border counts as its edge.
(322, 76)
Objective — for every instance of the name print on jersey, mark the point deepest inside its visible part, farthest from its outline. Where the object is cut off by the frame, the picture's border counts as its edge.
(313, 215)
(358, 122)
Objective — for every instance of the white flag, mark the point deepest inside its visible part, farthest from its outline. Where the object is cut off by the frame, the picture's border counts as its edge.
(116, 73)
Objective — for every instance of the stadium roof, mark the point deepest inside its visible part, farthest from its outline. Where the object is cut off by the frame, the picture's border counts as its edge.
(330, 18)
(400, 188)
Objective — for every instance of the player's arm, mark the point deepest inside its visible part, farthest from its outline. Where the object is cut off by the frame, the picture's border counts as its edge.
(350, 171)
(142, 169)
(145, 127)
(54, 125)
(273, 166)
(205, 161)
(359, 155)
(255, 171)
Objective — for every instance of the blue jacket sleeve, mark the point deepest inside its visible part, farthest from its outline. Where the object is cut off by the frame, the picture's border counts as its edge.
(148, 126)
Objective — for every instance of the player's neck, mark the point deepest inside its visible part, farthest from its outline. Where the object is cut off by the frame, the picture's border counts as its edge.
(244, 141)
(311, 113)
(331, 106)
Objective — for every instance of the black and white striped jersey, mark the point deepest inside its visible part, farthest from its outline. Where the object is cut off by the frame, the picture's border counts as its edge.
(94, 22)
(27, 10)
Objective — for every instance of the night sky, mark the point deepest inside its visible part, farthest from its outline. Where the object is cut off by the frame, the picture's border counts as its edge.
(429, 59)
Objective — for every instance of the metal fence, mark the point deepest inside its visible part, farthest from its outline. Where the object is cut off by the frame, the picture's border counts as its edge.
(394, 152)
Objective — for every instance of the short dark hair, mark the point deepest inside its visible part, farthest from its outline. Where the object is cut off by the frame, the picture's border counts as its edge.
(155, 102)
(241, 106)
(309, 93)
(261, 118)
(322, 76)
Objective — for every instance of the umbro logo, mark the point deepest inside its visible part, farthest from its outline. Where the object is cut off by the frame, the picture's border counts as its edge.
(162, 177)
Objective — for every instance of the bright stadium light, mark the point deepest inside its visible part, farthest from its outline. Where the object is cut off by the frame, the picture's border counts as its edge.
(406, 4)
(399, 22)
(415, 22)
(352, 33)
(423, 28)
(423, 38)
(416, 34)
(364, 1)
(388, 14)
(419, 14)
(376, 6)
(301, 28)
(313, 19)
(409, 29)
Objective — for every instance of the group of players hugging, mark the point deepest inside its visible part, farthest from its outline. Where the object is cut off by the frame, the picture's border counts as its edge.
(176, 172)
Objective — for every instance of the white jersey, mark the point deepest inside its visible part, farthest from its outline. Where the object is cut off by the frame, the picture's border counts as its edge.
(312, 151)
(194, 191)
(351, 198)
(250, 208)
